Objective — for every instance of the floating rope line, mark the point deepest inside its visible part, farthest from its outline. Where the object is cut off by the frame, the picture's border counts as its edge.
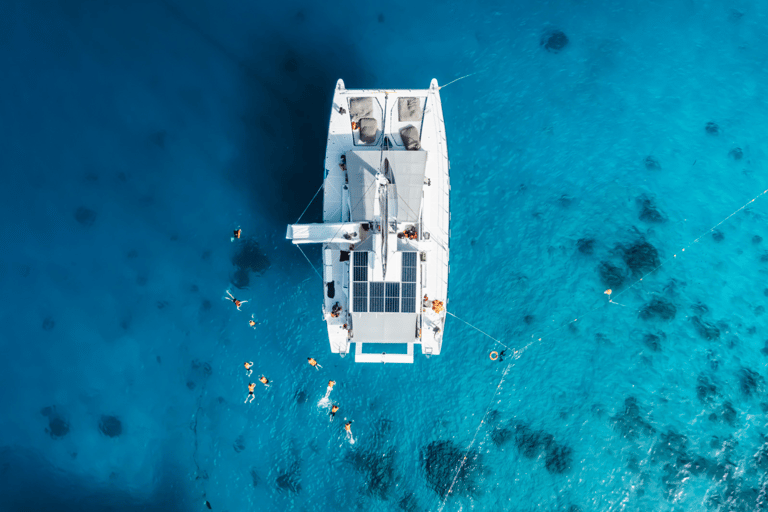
(449, 83)
(310, 263)
(477, 431)
(310, 202)
(518, 353)
(478, 330)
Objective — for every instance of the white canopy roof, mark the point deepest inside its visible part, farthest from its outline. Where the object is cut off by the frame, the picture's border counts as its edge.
(407, 168)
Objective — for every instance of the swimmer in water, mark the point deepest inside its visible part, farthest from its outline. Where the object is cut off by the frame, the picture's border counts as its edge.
(248, 367)
(501, 355)
(236, 302)
(251, 387)
(334, 409)
(331, 383)
(313, 363)
(264, 380)
(238, 232)
(348, 427)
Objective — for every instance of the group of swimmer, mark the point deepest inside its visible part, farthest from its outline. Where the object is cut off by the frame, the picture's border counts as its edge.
(312, 362)
(263, 379)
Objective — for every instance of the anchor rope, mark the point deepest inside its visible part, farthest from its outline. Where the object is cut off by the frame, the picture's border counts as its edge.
(310, 202)
(518, 353)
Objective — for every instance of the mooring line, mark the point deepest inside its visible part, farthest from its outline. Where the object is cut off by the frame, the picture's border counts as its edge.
(478, 330)
(310, 202)
(518, 353)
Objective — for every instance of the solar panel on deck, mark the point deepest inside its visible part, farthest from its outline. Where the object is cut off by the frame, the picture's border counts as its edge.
(409, 298)
(377, 297)
(393, 298)
(409, 267)
(360, 297)
(360, 270)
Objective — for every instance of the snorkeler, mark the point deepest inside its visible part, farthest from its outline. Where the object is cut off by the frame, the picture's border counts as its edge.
(334, 409)
(248, 367)
(232, 299)
(313, 363)
(251, 387)
(264, 380)
(501, 355)
(238, 232)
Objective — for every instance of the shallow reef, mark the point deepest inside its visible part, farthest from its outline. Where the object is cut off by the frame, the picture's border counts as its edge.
(441, 459)
(658, 308)
(641, 257)
(554, 40)
(110, 426)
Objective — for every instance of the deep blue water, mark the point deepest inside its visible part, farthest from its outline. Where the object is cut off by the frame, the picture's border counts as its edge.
(136, 136)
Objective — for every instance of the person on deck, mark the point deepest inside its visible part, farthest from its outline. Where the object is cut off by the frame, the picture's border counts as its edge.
(248, 367)
(312, 362)
(251, 387)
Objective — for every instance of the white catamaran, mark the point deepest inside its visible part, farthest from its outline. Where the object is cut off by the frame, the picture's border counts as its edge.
(386, 224)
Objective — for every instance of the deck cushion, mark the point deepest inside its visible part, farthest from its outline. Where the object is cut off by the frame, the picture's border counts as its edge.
(410, 136)
(368, 129)
(360, 108)
(408, 109)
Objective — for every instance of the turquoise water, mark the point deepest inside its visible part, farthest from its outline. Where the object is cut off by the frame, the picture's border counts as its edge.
(137, 136)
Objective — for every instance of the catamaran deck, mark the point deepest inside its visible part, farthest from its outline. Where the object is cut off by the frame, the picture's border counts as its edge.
(384, 305)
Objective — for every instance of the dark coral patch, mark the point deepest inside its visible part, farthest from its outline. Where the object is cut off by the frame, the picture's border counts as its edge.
(57, 427)
(439, 460)
(290, 481)
(705, 329)
(48, 324)
(110, 426)
(750, 382)
(706, 391)
(736, 153)
(648, 211)
(651, 163)
(85, 216)
(718, 235)
(559, 458)
(641, 257)
(658, 308)
(712, 128)
(611, 275)
(586, 245)
(378, 470)
(554, 41)
(653, 341)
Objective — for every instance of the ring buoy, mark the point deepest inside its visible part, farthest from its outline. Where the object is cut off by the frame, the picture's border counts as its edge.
(494, 355)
